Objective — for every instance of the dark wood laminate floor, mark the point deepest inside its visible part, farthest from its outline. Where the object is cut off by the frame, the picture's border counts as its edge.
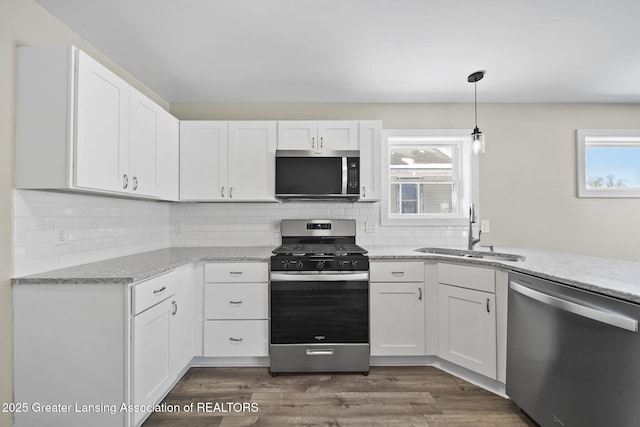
(388, 396)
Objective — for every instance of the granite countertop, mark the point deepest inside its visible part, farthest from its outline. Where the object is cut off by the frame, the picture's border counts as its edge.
(613, 277)
(135, 267)
(617, 278)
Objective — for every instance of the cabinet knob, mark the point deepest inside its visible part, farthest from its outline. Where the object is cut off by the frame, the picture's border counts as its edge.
(125, 181)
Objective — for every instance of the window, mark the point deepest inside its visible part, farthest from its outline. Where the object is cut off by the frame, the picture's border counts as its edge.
(608, 163)
(428, 177)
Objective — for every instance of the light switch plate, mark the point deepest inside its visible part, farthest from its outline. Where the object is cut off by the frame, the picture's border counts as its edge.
(485, 226)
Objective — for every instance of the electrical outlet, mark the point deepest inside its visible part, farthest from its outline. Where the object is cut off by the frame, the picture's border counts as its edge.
(179, 227)
(485, 226)
(59, 236)
(371, 227)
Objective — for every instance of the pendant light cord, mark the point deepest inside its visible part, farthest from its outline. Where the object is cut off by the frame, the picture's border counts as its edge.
(475, 101)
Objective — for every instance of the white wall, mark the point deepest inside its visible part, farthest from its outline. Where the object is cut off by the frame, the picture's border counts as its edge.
(527, 175)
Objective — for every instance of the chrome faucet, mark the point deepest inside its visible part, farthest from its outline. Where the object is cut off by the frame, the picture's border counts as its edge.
(472, 220)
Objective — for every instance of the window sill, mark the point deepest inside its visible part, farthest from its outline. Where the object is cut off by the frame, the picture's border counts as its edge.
(434, 221)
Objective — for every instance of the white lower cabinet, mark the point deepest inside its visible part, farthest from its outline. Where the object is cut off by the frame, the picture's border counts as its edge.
(151, 356)
(236, 309)
(107, 344)
(397, 309)
(467, 317)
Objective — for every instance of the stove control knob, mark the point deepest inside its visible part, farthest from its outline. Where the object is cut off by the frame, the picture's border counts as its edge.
(285, 265)
(320, 265)
(354, 263)
(343, 264)
(299, 265)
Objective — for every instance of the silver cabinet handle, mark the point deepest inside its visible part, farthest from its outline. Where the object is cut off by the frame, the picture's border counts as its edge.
(135, 183)
(320, 352)
(364, 192)
(232, 339)
(231, 192)
(175, 308)
(162, 289)
(612, 319)
(222, 192)
(419, 294)
(125, 181)
(235, 273)
(313, 142)
(488, 308)
(321, 142)
(398, 273)
(235, 302)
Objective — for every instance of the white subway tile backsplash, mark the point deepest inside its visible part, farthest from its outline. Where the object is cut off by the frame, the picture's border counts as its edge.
(100, 227)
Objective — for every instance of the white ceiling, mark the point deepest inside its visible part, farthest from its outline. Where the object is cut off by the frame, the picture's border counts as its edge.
(193, 51)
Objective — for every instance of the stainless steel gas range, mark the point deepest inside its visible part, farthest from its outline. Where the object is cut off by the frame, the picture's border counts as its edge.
(319, 299)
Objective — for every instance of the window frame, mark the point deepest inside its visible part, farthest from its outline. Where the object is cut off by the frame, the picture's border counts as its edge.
(466, 169)
(602, 137)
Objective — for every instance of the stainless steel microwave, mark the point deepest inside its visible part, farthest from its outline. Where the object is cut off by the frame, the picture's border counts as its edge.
(311, 175)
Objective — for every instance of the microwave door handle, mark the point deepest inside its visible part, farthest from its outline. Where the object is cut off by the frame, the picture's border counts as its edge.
(344, 175)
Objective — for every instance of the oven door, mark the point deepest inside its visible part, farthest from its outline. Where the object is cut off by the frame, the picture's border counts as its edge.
(319, 308)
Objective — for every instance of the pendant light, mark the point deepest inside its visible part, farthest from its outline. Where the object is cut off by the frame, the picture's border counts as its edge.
(477, 137)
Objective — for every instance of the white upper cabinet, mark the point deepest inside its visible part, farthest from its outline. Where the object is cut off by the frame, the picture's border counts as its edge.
(168, 157)
(81, 127)
(318, 135)
(101, 131)
(251, 160)
(370, 137)
(227, 161)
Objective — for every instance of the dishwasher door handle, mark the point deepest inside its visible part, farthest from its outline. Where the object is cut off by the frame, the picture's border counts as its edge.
(612, 319)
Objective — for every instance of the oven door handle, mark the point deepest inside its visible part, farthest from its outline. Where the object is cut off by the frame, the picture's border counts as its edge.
(314, 276)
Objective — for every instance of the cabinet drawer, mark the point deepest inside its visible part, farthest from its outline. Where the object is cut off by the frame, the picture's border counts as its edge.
(247, 338)
(236, 272)
(149, 293)
(397, 271)
(236, 301)
(478, 278)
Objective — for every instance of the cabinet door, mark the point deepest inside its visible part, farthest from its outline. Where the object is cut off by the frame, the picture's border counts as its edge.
(168, 157)
(397, 319)
(151, 365)
(143, 140)
(297, 135)
(102, 121)
(203, 160)
(467, 328)
(182, 320)
(251, 161)
(370, 137)
(337, 135)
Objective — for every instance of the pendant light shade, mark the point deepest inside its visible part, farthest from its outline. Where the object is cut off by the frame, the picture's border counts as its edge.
(477, 137)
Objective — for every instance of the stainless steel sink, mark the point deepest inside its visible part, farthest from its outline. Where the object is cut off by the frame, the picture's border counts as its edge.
(491, 256)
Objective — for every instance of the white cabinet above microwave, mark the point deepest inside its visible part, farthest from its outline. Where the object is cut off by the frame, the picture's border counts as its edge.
(318, 135)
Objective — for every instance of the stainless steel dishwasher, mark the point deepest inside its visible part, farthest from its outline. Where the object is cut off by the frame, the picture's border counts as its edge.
(573, 356)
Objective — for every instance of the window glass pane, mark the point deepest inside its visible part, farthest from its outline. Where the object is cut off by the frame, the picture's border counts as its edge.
(613, 166)
(427, 163)
(438, 198)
